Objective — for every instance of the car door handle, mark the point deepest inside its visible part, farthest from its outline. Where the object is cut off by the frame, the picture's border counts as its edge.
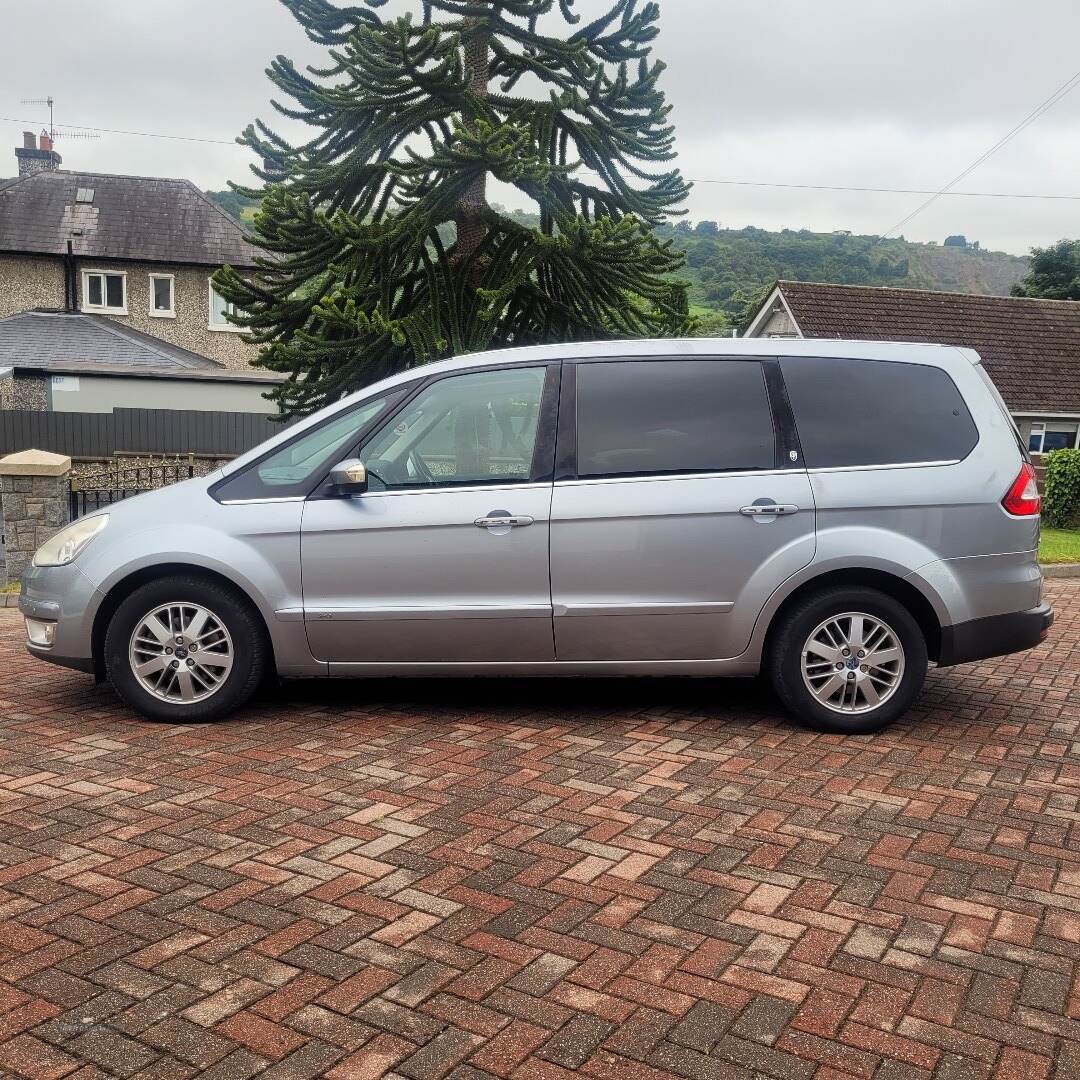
(507, 521)
(768, 509)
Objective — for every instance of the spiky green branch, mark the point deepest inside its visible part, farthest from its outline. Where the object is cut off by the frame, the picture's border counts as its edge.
(411, 119)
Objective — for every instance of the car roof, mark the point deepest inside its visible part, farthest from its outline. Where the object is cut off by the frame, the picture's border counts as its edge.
(699, 348)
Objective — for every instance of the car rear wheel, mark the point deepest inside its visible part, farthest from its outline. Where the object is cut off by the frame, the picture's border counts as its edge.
(848, 660)
(185, 649)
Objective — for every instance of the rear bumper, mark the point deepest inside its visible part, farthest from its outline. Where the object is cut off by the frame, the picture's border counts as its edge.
(996, 635)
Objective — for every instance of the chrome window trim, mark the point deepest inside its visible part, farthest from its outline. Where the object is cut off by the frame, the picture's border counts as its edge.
(637, 478)
(878, 468)
(442, 489)
(264, 499)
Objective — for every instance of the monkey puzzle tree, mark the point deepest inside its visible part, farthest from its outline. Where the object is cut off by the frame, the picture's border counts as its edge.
(382, 250)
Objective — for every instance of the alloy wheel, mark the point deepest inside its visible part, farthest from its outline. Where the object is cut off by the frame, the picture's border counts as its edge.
(181, 653)
(852, 663)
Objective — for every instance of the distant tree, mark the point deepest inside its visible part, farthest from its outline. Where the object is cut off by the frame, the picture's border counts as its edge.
(956, 240)
(707, 228)
(1054, 273)
(715, 324)
(684, 228)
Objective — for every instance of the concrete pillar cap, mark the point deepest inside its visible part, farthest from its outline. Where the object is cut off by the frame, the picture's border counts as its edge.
(35, 463)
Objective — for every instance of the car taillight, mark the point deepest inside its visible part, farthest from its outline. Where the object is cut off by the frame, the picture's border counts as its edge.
(1022, 498)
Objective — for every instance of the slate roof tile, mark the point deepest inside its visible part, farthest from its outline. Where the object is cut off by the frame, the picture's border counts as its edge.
(63, 341)
(131, 217)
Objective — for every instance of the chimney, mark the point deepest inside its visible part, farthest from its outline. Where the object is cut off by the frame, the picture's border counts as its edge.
(36, 156)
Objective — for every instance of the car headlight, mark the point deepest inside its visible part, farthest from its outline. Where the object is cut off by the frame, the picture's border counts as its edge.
(67, 543)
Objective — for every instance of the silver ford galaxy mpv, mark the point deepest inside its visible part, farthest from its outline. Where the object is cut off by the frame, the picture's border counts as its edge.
(838, 514)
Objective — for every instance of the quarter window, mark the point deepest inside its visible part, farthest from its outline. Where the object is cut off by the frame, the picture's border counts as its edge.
(646, 417)
(854, 413)
(478, 428)
(105, 292)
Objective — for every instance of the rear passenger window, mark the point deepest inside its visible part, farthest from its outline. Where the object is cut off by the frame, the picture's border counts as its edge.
(672, 416)
(876, 412)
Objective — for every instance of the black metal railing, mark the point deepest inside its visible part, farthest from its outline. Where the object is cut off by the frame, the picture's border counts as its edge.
(118, 481)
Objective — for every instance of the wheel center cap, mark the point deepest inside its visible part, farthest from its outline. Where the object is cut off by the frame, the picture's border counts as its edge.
(181, 653)
(852, 661)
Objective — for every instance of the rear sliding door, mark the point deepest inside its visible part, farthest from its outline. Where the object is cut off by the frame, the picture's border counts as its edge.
(680, 504)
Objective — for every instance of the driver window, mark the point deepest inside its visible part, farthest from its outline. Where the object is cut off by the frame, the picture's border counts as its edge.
(478, 428)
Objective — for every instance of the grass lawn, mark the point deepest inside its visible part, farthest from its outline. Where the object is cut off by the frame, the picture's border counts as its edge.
(1059, 545)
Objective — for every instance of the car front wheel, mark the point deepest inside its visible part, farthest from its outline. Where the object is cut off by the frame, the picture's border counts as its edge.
(848, 660)
(185, 649)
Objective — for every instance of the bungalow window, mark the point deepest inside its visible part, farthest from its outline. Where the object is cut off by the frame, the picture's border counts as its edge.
(1053, 435)
(161, 296)
(105, 291)
(219, 308)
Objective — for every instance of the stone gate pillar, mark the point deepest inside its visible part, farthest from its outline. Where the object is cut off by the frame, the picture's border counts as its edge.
(33, 505)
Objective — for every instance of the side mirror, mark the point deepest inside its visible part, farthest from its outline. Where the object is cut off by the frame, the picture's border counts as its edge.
(349, 477)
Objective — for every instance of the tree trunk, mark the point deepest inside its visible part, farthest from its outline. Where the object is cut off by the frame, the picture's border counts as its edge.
(471, 227)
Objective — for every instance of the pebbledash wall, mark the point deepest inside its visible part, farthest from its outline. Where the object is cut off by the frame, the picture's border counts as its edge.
(34, 281)
(30, 281)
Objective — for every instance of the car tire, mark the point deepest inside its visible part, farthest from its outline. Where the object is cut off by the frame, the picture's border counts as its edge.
(833, 691)
(176, 682)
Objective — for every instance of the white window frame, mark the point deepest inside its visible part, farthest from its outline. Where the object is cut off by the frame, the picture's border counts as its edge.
(1038, 427)
(210, 324)
(154, 312)
(102, 309)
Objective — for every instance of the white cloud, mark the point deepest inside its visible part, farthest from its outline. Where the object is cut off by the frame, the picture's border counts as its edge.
(859, 92)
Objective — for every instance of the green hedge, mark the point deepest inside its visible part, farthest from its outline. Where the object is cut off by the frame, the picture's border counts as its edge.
(1061, 498)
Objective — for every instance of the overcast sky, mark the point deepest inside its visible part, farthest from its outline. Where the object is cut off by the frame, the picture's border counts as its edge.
(873, 93)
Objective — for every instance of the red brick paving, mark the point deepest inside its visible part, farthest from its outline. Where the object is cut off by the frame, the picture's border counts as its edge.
(615, 880)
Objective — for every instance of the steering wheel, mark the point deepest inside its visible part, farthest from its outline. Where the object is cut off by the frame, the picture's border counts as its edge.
(419, 467)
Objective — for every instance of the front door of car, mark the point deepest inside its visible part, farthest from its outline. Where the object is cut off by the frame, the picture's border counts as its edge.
(444, 559)
(680, 504)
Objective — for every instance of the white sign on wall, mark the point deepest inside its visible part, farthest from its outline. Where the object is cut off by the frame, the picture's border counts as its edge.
(65, 382)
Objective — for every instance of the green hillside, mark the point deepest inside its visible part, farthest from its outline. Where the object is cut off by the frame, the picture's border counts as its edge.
(730, 268)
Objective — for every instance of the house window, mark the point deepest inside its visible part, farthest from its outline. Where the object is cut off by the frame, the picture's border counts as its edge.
(105, 291)
(219, 308)
(1047, 435)
(162, 287)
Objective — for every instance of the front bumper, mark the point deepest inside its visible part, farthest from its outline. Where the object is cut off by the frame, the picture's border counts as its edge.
(996, 635)
(65, 596)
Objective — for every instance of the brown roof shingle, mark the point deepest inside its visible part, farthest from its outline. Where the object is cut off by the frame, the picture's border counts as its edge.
(1030, 348)
(129, 217)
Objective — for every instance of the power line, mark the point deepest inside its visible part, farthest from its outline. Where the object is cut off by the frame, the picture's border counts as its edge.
(882, 190)
(1067, 86)
(121, 131)
(693, 179)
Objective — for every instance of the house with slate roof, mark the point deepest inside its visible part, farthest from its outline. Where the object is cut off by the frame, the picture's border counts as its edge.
(106, 297)
(1030, 348)
(137, 250)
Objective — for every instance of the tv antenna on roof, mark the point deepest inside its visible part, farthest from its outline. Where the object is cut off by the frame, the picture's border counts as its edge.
(52, 132)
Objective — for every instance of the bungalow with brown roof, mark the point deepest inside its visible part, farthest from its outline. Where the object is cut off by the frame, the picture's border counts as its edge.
(1030, 348)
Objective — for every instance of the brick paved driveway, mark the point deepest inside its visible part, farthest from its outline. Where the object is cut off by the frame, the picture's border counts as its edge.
(619, 880)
